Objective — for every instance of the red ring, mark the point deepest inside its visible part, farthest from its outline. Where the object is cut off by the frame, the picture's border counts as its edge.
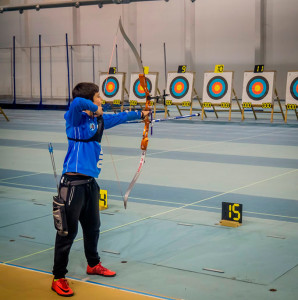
(176, 87)
(110, 87)
(216, 84)
(254, 88)
(140, 89)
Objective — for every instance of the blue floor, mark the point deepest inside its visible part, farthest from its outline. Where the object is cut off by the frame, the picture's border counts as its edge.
(168, 241)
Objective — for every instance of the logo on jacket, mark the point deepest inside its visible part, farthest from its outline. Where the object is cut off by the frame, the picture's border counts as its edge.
(92, 126)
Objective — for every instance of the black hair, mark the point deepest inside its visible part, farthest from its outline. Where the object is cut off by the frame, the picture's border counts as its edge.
(85, 90)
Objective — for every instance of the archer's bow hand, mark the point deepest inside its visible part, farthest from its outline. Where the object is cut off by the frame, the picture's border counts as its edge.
(144, 114)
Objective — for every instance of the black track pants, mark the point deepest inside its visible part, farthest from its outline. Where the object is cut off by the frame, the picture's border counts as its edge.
(82, 204)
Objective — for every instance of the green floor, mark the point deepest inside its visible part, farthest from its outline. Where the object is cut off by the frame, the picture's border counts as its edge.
(168, 241)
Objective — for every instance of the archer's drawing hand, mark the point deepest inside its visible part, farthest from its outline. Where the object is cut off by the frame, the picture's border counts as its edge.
(97, 101)
(99, 112)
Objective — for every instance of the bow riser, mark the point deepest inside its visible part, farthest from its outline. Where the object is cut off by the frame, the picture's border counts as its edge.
(145, 139)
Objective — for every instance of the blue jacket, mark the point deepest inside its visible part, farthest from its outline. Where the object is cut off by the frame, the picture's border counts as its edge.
(82, 157)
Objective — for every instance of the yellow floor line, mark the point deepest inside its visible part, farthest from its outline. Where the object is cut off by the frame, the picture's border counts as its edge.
(29, 185)
(25, 283)
(204, 206)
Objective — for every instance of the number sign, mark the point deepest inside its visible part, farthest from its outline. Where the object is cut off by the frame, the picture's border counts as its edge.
(232, 212)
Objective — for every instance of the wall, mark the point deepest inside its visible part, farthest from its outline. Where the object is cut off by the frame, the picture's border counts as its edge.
(199, 34)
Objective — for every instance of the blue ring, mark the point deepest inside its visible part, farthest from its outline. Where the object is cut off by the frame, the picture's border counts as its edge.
(264, 88)
(293, 88)
(183, 92)
(135, 88)
(212, 82)
(265, 91)
(106, 82)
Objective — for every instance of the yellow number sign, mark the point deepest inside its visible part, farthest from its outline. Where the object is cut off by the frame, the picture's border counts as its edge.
(185, 103)
(246, 104)
(259, 69)
(112, 70)
(232, 212)
(182, 69)
(225, 104)
(133, 102)
(207, 104)
(146, 70)
(233, 209)
(219, 69)
(266, 105)
(291, 106)
(103, 199)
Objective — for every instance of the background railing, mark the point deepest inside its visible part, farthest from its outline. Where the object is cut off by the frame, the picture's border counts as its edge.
(45, 75)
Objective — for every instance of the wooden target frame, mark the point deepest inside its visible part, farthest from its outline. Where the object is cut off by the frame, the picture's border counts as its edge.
(117, 82)
(218, 90)
(135, 99)
(259, 91)
(291, 102)
(180, 90)
(3, 113)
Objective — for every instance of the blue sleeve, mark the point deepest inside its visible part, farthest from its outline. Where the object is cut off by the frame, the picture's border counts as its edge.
(73, 116)
(111, 120)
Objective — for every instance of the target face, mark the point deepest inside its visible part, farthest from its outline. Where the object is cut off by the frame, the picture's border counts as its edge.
(139, 91)
(258, 89)
(292, 88)
(179, 87)
(136, 92)
(218, 88)
(110, 87)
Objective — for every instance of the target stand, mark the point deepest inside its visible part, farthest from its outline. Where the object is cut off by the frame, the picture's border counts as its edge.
(137, 95)
(259, 92)
(3, 113)
(180, 91)
(217, 92)
(292, 93)
(111, 89)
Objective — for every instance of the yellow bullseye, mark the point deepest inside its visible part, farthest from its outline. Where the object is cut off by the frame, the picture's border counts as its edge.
(257, 88)
(179, 87)
(217, 88)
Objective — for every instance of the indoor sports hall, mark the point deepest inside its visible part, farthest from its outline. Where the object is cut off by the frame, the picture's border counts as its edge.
(198, 199)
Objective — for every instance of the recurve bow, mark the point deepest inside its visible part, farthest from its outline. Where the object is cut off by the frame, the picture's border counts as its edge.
(145, 139)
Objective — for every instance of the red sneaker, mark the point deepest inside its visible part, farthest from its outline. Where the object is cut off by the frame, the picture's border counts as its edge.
(100, 270)
(62, 288)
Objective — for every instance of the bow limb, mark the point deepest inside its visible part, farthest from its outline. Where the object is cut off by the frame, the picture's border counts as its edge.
(145, 139)
(135, 178)
(132, 47)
